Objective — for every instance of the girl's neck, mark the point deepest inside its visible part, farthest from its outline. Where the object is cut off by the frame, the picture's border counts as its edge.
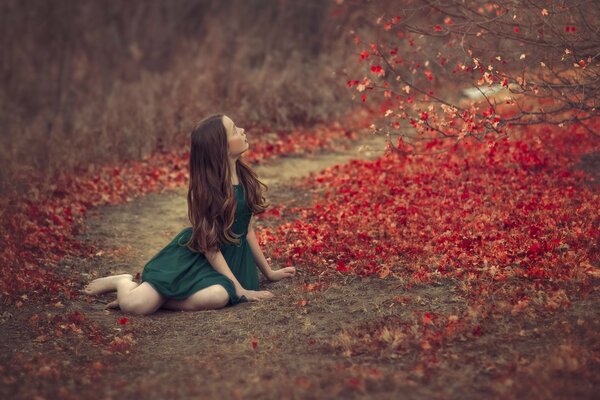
(232, 167)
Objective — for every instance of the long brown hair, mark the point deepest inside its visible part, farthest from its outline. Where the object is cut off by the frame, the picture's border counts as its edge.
(211, 203)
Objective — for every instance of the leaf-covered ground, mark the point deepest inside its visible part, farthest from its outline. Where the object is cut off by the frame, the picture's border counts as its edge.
(472, 273)
(39, 228)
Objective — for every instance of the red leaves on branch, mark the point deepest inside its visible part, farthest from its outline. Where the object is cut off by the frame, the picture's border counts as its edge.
(493, 56)
(377, 70)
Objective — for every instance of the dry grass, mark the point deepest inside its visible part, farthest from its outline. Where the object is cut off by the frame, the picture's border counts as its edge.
(97, 83)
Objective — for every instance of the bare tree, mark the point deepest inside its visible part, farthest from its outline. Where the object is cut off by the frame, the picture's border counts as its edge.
(528, 62)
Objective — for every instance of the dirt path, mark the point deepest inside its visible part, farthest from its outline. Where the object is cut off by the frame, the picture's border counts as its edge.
(295, 346)
(136, 231)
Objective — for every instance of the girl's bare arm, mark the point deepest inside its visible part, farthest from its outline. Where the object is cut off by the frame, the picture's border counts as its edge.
(216, 259)
(259, 257)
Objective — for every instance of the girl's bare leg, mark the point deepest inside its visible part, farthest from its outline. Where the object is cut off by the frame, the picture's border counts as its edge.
(131, 297)
(209, 298)
(138, 299)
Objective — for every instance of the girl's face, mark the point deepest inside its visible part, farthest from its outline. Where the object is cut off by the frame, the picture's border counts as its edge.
(236, 138)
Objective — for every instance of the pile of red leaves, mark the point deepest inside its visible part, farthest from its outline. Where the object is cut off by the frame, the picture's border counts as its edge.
(39, 229)
(511, 218)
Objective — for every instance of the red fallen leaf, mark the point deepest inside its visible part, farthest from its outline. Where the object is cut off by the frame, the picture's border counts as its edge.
(375, 372)
(302, 302)
(311, 287)
(123, 320)
(477, 331)
(385, 271)
(535, 249)
(121, 344)
(355, 383)
(340, 266)
(427, 319)
(98, 366)
(437, 28)
(254, 343)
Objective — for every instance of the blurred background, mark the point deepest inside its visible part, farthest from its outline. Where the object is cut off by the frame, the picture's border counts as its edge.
(89, 82)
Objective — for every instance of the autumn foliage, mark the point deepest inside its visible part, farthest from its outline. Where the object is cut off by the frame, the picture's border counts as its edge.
(427, 59)
(512, 224)
(40, 228)
(481, 198)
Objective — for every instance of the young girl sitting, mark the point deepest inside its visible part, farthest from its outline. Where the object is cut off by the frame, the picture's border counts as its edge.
(212, 263)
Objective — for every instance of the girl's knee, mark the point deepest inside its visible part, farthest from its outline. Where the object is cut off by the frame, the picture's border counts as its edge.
(221, 296)
(142, 300)
(212, 297)
(137, 306)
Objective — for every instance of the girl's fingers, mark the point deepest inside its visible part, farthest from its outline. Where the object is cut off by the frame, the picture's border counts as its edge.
(264, 294)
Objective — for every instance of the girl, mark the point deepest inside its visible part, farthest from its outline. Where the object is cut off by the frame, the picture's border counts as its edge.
(212, 263)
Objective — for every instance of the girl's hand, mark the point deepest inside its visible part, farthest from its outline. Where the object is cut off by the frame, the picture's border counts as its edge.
(282, 273)
(255, 295)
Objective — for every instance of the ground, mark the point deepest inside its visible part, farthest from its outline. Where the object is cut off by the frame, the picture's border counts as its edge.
(309, 341)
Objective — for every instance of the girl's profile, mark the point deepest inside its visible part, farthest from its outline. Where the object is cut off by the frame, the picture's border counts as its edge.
(215, 262)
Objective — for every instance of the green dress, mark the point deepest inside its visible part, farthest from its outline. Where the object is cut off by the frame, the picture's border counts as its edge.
(177, 272)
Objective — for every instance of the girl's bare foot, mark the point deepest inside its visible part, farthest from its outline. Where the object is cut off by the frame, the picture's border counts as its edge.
(106, 284)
